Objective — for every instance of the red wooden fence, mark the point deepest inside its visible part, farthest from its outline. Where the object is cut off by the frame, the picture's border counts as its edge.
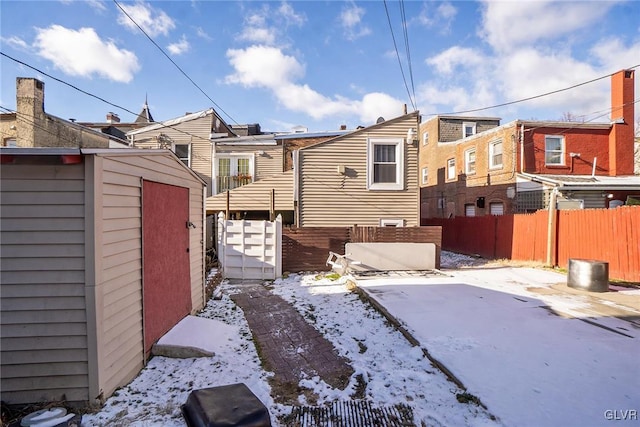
(611, 235)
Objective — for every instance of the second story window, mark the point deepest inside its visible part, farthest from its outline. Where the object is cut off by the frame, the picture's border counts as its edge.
(183, 151)
(470, 161)
(232, 172)
(554, 150)
(425, 138)
(495, 154)
(385, 164)
(451, 169)
(468, 129)
(425, 175)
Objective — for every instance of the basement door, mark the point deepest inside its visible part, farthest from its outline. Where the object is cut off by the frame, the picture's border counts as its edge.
(166, 269)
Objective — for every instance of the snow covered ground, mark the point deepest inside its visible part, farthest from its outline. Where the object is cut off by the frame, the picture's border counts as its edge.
(525, 345)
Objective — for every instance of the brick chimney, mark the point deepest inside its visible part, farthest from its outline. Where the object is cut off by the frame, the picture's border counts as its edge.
(622, 131)
(112, 118)
(30, 109)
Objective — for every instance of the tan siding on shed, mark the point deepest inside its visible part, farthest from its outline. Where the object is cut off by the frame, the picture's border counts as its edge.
(43, 333)
(329, 199)
(120, 321)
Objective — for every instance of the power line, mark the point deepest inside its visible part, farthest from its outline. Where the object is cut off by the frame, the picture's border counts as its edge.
(68, 84)
(395, 46)
(173, 62)
(407, 50)
(531, 97)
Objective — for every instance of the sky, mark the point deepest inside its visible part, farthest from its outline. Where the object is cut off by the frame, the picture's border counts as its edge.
(489, 324)
(319, 64)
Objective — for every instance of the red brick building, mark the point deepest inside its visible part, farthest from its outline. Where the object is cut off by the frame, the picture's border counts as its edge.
(475, 166)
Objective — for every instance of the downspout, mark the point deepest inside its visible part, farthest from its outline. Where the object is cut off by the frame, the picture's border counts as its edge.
(296, 187)
(521, 148)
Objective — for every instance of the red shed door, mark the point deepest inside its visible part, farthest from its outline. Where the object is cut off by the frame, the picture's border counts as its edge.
(167, 282)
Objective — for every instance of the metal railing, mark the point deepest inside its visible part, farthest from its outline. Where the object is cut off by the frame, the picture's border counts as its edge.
(226, 182)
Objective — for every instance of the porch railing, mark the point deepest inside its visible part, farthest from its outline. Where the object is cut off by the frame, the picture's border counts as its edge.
(226, 183)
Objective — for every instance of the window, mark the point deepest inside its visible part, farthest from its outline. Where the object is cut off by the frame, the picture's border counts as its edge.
(425, 138)
(468, 129)
(233, 171)
(496, 208)
(470, 161)
(451, 169)
(469, 209)
(183, 151)
(425, 175)
(9, 142)
(385, 161)
(495, 154)
(554, 150)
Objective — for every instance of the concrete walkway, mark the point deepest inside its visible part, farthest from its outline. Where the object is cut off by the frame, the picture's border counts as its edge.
(289, 346)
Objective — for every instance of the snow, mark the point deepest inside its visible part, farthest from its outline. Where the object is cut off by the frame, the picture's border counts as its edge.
(211, 337)
(485, 323)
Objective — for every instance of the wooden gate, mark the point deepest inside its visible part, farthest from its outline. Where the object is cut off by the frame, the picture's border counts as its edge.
(250, 249)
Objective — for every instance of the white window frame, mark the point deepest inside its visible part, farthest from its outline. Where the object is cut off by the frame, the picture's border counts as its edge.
(465, 125)
(425, 175)
(472, 210)
(188, 159)
(399, 147)
(562, 150)
(492, 204)
(425, 138)
(451, 166)
(492, 148)
(391, 222)
(467, 161)
(233, 165)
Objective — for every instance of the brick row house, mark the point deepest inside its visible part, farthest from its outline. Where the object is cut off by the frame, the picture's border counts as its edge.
(472, 166)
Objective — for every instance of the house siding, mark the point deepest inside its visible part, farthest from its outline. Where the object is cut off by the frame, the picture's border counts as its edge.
(44, 350)
(268, 164)
(330, 199)
(194, 132)
(256, 196)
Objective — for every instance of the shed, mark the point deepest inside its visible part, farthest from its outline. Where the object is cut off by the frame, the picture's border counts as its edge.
(102, 252)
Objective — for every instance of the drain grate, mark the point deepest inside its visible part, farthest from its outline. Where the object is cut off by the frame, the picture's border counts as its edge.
(350, 414)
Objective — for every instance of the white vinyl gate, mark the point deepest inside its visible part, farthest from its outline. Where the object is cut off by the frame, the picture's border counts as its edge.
(250, 249)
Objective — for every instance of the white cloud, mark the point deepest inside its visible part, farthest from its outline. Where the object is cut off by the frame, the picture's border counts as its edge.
(503, 22)
(441, 17)
(263, 66)
(269, 68)
(152, 21)
(351, 20)
(445, 62)
(98, 5)
(290, 16)
(15, 42)
(180, 47)
(203, 34)
(260, 35)
(83, 53)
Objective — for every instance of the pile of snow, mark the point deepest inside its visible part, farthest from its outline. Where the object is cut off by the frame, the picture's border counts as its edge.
(388, 370)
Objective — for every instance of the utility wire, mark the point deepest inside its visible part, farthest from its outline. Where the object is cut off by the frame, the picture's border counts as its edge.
(531, 97)
(173, 62)
(68, 84)
(407, 50)
(395, 46)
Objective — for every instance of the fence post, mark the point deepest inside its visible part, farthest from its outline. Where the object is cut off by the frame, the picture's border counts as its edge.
(221, 239)
(278, 232)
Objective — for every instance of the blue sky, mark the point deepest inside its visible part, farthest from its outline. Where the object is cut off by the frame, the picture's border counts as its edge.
(320, 64)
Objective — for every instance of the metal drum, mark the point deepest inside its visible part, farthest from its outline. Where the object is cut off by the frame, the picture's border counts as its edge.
(588, 275)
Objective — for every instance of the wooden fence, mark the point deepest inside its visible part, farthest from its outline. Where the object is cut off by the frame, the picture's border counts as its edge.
(611, 235)
(307, 248)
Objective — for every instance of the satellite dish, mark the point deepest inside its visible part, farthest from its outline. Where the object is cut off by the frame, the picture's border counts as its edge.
(380, 119)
